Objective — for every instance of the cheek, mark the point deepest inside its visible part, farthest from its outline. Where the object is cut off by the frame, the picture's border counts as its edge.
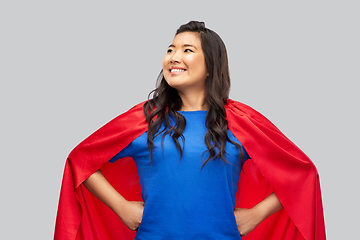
(199, 65)
(165, 66)
(165, 62)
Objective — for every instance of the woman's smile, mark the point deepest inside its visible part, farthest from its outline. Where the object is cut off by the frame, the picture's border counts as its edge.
(176, 70)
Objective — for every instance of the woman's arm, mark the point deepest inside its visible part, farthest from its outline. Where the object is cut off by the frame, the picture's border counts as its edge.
(248, 219)
(129, 212)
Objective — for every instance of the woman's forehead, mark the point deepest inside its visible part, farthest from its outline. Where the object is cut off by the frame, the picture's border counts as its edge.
(187, 38)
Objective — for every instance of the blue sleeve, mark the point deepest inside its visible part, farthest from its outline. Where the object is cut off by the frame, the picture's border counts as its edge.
(245, 154)
(126, 152)
(233, 138)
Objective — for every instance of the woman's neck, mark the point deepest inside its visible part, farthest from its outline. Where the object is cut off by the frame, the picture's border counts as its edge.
(193, 102)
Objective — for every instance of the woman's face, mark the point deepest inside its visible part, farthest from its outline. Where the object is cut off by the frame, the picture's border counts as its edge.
(184, 63)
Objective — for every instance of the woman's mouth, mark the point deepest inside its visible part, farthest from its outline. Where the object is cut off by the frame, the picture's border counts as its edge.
(174, 71)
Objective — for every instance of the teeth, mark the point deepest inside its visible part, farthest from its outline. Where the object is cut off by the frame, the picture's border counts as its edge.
(177, 70)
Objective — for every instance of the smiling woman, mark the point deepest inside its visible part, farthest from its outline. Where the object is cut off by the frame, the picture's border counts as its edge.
(171, 167)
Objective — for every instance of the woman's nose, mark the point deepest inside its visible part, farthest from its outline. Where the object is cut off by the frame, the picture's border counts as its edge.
(175, 58)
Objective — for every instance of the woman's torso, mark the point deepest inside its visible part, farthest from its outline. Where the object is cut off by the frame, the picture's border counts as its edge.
(182, 199)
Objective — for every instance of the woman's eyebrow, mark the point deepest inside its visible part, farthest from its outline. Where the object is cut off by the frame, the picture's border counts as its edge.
(189, 45)
(185, 45)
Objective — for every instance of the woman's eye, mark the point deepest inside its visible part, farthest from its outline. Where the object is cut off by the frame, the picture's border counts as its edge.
(188, 50)
(169, 50)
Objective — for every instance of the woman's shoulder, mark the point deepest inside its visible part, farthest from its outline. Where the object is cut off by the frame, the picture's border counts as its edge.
(241, 107)
(138, 106)
(235, 110)
(136, 111)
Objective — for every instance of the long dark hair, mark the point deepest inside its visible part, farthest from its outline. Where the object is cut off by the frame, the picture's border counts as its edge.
(166, 100)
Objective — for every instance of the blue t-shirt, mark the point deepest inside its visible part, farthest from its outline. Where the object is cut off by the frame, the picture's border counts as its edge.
(183, 201)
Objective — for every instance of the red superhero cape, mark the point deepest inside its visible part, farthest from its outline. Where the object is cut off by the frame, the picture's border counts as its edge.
(276, 165)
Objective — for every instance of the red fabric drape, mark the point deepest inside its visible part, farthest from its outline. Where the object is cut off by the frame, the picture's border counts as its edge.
(276, 165)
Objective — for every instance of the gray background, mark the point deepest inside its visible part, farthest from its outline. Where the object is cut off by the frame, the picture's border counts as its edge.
(68, 67)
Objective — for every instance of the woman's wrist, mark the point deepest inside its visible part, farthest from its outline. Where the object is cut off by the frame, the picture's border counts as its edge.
(259, 214)
(120, 205)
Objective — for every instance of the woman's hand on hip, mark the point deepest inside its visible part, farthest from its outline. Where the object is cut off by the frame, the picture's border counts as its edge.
(246, 220)
(131, 214)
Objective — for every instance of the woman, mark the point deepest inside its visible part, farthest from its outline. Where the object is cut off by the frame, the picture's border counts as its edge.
(189, 143)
